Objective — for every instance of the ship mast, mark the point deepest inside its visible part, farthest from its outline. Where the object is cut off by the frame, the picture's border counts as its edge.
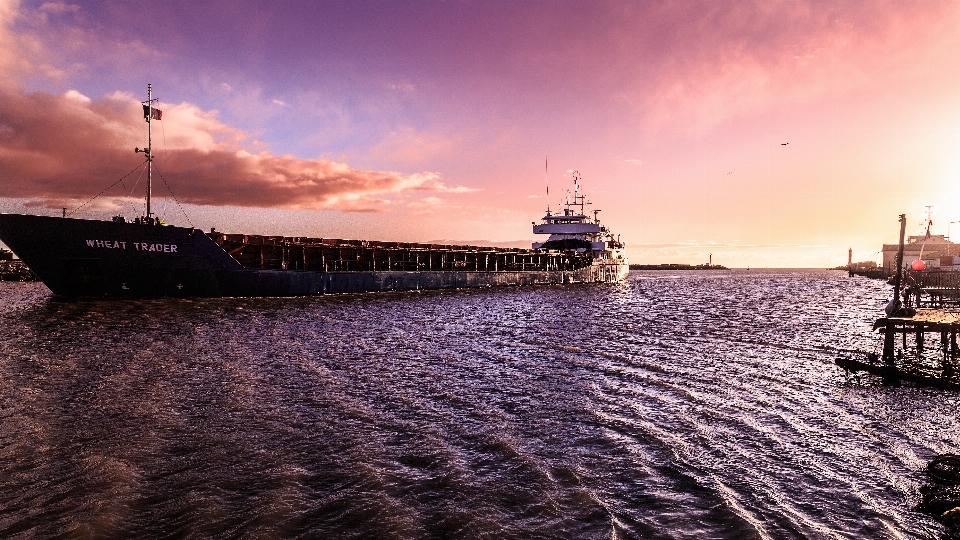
(149, 112)
(149, 147)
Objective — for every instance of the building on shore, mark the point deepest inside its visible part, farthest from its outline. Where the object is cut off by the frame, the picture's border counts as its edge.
(935, 250)
(864, 265)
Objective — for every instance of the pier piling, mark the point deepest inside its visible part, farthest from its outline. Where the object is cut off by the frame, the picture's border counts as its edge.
(903, 361)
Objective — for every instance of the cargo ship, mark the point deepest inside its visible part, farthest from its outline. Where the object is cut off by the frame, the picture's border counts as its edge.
(146, 258)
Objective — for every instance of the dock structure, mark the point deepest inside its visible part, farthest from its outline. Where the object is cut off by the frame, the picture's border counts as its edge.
(927, 352)
(921, 349)
(926, 361)
(933, 289)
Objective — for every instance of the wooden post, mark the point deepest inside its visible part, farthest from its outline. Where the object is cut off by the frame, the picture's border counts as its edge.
(891, 376)
(953, 343)
(898, 280)
(889, 331)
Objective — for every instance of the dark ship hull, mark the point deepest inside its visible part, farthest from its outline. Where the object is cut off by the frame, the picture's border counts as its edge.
(88, 258)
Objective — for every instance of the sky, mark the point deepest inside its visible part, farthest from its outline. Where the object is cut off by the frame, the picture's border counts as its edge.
(767, 133)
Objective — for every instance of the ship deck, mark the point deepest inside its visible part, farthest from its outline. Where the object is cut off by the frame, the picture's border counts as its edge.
(340, 255)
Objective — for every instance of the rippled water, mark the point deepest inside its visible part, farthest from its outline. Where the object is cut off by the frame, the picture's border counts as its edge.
(676, 405)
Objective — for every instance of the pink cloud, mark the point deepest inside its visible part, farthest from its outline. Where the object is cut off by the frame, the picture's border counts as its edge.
(12, 62)
(70, 147)
(409, 146)
(426, 205)
(58, 8)
(697, 65)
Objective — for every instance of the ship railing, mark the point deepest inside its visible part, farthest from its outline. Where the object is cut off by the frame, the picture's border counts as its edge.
(299, 253)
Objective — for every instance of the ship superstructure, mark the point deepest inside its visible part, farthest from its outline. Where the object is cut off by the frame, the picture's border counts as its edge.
(572, 230)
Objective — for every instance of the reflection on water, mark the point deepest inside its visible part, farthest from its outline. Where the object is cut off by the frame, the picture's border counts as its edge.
(677, 405)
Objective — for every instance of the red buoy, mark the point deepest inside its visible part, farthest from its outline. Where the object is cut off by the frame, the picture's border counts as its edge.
(918, 265)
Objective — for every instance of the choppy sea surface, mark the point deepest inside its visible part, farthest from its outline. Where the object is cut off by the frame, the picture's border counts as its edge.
(676, 405)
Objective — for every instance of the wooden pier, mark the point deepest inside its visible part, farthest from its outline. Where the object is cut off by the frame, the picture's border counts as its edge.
(919, 332)
(921, 349)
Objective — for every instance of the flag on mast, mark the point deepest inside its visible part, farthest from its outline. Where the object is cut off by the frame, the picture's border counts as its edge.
(151, 113)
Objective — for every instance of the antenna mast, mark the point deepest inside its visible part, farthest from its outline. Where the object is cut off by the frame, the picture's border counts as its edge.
(149, 113)
(149, 151)
(577, 198)
(546, 178)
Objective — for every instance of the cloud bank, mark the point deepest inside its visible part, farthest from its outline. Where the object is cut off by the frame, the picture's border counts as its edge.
(69, 147)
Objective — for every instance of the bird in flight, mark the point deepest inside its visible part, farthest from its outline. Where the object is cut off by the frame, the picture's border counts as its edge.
(784, 143)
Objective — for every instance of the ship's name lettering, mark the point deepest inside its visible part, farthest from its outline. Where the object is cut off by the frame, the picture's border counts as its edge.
(139, 246)
(107, 244)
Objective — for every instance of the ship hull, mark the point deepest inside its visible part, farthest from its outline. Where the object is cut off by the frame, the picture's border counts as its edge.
(88, 258)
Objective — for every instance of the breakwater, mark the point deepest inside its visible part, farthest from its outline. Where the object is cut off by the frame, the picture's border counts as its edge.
(674, 266)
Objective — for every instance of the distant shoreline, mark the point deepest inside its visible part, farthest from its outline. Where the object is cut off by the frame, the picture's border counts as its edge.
(677, 267)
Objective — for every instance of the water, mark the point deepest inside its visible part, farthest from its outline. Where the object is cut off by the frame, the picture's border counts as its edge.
(676, 405)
